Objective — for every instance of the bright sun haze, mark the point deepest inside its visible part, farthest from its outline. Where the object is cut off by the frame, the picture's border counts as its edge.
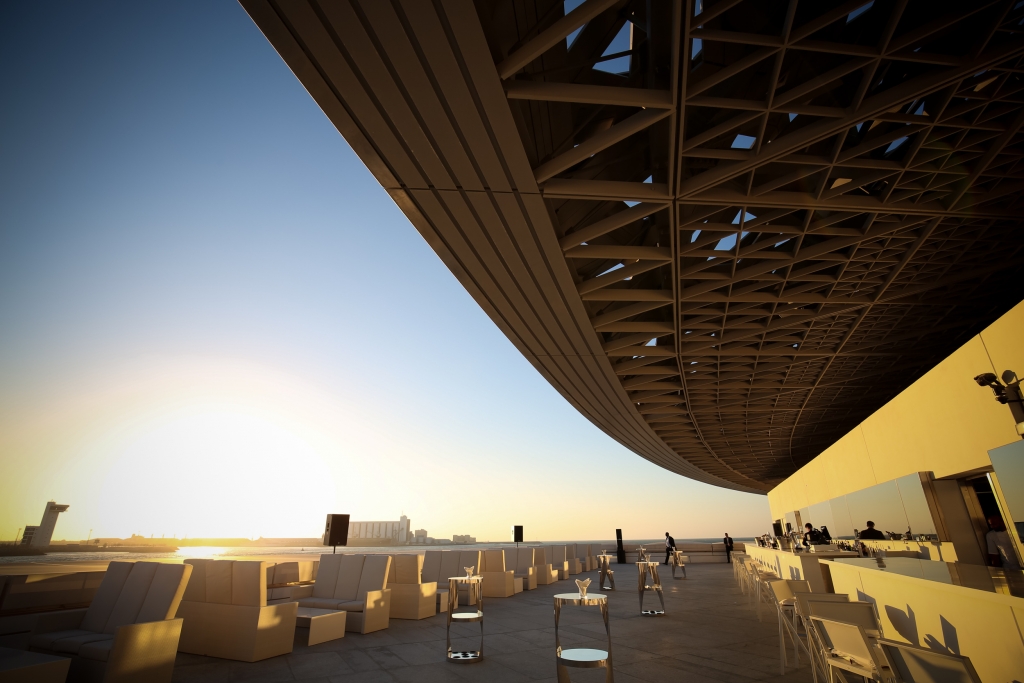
(214, 322)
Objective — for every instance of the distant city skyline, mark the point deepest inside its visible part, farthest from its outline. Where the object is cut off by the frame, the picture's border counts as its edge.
(215, 323)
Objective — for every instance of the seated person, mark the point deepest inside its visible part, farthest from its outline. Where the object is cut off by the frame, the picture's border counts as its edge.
(812, 536)
(871, 533)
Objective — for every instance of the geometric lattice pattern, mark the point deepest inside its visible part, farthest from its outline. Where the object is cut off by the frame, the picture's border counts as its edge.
(726, 231)
(778, 213)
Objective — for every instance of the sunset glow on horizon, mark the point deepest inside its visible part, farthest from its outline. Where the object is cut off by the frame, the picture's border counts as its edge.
(214, 322)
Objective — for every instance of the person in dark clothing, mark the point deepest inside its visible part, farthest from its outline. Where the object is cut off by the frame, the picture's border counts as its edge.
(825, 535)
(728, 548)
(872, 533)
(670, 545)
(812, 536)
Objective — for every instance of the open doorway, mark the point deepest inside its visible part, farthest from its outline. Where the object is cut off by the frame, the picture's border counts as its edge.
(998, 546)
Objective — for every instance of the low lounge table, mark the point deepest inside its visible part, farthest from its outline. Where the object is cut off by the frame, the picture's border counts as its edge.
(21, 666)
(323, 624)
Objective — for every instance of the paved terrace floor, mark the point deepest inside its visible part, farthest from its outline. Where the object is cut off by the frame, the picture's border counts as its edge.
(709, 633)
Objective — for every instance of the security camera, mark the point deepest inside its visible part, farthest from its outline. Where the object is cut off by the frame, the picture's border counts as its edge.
(986, 379)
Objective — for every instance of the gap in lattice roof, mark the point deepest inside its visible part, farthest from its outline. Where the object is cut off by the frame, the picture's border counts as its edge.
(653, 342)
(920, 111)
(859, 11)
(696, 47)
(693, 238)
(747, 216)
(779, 244)
(650, 179)
(792, 116)
(859, 126)
(568, 6)
(743, 141)
(895, 144)
(613, 268)
(728, 242)
(622, 41)
(630, 204)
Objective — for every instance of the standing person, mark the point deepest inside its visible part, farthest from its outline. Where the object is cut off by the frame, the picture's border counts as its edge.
(670, 545)
(1000, 546)
(728, 548)
(871, 533)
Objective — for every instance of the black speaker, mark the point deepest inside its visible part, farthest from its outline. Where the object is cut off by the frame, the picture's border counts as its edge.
(777, 528)
(517, 533)
(336, 532)
(620, 552)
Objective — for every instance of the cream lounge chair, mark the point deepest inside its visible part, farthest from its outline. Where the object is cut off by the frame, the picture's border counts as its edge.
(226, 612)
(411, 597)
(851, 649)
(520, 560)
(557, 558)
(499, 582)
(129, 631)
(571, 555)
(432, 560)
(542, 566)
(356, 584)
(912, 664)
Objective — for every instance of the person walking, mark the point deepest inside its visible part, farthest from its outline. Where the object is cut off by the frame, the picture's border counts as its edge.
(670, 545)
(728, 548)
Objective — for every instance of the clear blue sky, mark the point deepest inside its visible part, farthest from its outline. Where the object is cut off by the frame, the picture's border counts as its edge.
(213, 321)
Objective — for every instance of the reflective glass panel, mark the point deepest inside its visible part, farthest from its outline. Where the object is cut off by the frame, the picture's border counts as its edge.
(821, 515)
(1008, 462)
(919, 515)
(881, 504)
(841, 517)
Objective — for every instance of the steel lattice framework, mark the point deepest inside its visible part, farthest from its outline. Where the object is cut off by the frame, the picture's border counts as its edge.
(726, 231)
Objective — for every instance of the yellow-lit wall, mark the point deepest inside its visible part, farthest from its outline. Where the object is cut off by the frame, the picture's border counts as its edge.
(944, 423)
(984, 626)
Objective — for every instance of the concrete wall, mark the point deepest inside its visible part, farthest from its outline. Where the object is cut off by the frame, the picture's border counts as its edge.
(944, 423)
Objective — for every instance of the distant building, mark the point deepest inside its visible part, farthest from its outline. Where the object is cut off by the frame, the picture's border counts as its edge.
(39, 536)
(463, 539)
(420, 536)
(379, 533)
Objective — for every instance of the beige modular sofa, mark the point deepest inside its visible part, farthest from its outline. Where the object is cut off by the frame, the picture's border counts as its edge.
(23, 597)
(432, 573)
(542, 566)
(284, 577)
(128, 633)
(521, 562)
(575, 566)
(411, 597)
(557, 558)
(356, 584)
(585, 554)
(226, 612)
(498, 581)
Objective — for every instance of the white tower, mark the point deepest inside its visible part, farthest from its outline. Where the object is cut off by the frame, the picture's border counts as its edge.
(39, 536)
